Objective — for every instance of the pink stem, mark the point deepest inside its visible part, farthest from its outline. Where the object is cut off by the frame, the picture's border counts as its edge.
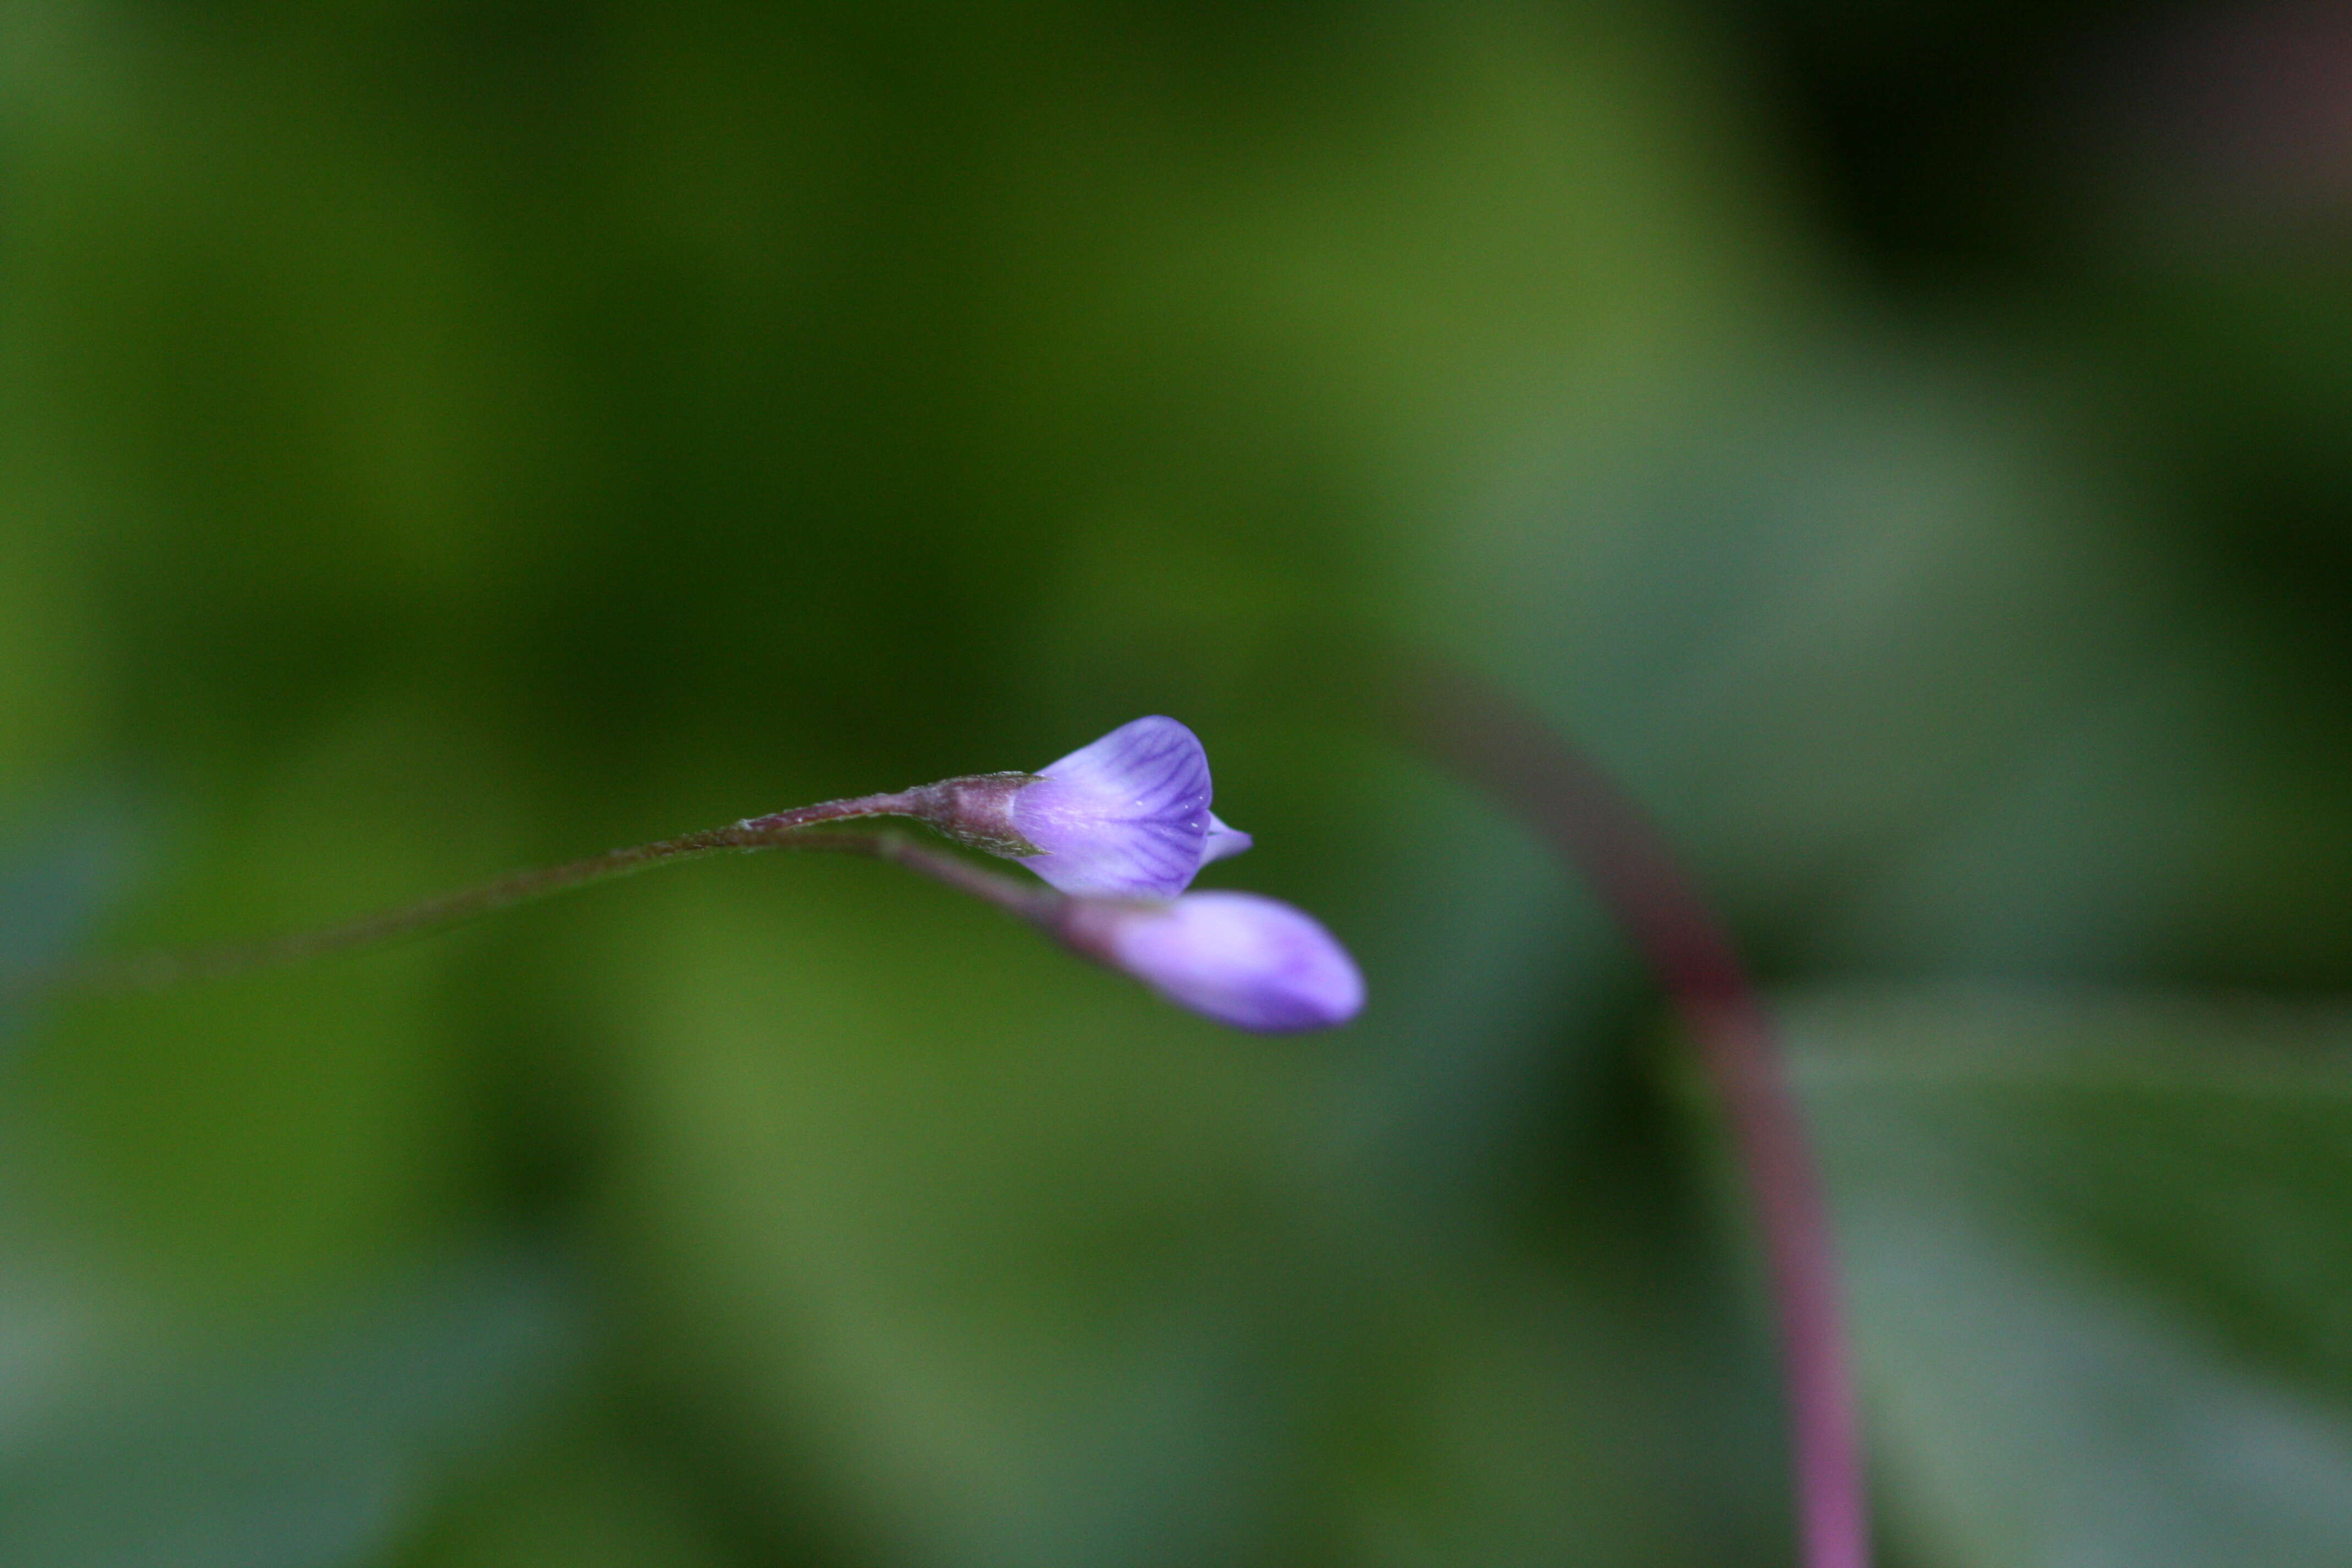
(1509, 751)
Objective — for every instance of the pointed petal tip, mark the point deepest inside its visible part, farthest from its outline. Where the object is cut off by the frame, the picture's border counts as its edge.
(1222, 840)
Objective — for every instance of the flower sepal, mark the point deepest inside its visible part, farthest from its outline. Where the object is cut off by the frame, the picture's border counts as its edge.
(975, 811)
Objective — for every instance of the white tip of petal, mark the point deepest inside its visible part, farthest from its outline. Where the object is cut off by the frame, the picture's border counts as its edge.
(1222, 841)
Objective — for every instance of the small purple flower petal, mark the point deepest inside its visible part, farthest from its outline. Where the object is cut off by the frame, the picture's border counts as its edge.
(1238, 958)
(1222, 841)
(1127, 817)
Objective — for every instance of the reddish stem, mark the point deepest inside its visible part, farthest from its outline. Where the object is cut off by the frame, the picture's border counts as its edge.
(895, 805)
(780, 830)
(1514, 755)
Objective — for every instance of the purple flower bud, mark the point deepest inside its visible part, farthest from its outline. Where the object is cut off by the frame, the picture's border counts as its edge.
(1127, 817)
(1241, 959)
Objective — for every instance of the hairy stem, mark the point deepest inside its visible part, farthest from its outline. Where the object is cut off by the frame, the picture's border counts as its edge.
(780, 830)
(1510, 752)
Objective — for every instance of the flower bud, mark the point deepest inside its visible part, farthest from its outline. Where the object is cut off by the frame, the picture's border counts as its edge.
(1241, 959)
(1125, 817)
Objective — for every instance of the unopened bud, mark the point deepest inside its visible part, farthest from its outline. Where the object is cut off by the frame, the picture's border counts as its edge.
(1241, 959)
(1125, 817)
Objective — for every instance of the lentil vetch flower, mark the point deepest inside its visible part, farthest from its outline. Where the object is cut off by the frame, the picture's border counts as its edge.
(1125, 817)
(1242, 959)
(1117, 830)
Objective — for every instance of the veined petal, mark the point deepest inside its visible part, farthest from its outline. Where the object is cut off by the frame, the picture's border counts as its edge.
(1147, 768)
(1125, 817)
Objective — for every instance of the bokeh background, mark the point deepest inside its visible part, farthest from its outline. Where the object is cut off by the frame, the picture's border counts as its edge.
(1912, 445)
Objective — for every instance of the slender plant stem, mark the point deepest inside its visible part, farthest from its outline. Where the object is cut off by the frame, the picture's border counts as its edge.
(895, 805)
(1040, 905)
(780, 830)
(1514, 755)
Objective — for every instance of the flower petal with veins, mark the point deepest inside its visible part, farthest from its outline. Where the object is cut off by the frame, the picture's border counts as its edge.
(1125, 817)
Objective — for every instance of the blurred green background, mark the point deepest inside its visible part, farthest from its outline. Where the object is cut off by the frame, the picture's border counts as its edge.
(1911, 443)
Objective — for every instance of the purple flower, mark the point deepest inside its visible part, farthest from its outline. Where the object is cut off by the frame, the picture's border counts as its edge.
(1239, 958)
(1120, 828)
(1127, 817)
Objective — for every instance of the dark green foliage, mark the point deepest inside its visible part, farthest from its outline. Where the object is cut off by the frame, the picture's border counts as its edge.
(436, 439)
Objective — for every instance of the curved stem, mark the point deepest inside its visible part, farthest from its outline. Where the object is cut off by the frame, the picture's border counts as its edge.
(1510, 752)
(780, 830)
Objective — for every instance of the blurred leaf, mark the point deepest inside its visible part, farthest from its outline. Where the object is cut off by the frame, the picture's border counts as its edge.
(2101, 1254)
(589, 1501)
(304, 1129)
(1826, 616)
(994, 1271)
(51, 892)
(299, 1455)
(1008, 1285)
